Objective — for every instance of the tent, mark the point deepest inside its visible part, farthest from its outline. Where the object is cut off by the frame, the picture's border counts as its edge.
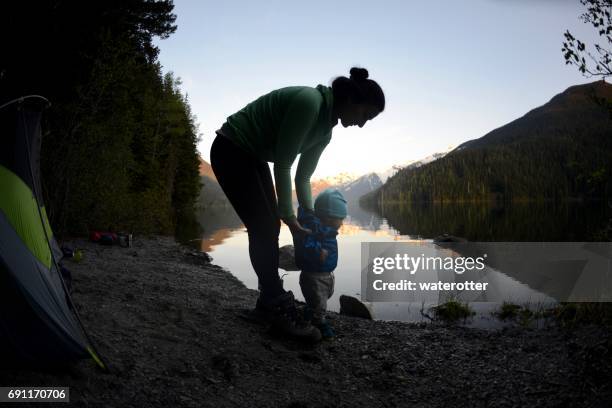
(39, 324)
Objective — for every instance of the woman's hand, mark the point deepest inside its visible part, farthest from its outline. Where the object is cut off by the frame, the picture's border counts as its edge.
(295, 227)
(324, 255)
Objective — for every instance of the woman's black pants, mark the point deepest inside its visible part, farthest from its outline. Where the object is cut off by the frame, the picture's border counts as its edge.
(247, 183)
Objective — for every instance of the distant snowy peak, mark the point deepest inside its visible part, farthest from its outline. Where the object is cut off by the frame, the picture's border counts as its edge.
(353, 186)
(349, 184)
(336, 181)
(369, 181)
(384, 176)
(340, 179)
(353, 190)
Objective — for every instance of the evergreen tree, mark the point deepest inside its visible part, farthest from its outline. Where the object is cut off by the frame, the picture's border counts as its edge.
(119, 149)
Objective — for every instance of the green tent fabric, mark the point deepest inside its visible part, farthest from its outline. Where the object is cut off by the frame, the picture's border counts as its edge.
(38, 323)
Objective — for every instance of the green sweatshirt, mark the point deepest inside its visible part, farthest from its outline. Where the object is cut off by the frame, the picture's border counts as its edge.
(277, 127)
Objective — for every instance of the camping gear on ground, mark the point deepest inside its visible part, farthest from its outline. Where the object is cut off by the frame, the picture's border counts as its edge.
(104, 238)
(67, 252)
(74, 253)
(124, 240)
(78, 255)
(39, 324)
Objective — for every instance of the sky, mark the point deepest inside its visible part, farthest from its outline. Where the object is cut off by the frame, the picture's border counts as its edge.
(451, 70)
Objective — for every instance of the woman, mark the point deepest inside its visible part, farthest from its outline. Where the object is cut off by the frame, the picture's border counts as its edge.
(276, 128)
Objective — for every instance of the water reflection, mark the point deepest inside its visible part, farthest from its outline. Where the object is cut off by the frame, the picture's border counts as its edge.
(210, 241)
(499, 222)
(225, 239)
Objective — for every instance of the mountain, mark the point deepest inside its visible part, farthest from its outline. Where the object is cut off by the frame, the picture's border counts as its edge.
(206, 170)
(353, 190)
(336, 181)
(576, 106)
(211, 194)
(413, 164)
(560, 150)
(350, 185)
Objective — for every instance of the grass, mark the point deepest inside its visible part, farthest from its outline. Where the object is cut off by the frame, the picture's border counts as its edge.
(564, 314)
(578, 314)
(452, 311)
(508, 311)
(523, 315)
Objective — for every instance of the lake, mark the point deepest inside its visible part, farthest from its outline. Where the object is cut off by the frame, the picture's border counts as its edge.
(225, 239)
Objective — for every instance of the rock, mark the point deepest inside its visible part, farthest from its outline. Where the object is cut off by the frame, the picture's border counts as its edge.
(201, 255)
(286, 258)
(351, 306)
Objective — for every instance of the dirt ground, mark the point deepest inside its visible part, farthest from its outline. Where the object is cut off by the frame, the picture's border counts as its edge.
(168, 324)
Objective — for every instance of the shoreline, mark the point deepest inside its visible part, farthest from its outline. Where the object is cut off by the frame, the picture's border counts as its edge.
(167, 323)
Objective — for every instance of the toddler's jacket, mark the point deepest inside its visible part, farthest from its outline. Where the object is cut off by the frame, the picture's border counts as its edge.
(308, 247)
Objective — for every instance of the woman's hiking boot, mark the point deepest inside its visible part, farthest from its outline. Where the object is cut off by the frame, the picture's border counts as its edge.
(283, 317)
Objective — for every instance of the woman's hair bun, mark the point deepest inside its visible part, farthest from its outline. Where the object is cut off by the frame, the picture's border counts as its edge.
(358, 89)
(359, 74)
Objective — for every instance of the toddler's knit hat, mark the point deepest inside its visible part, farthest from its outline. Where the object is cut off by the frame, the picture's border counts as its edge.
(331, 203)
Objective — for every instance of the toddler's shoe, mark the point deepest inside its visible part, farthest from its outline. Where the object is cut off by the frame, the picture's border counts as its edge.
(327, 332)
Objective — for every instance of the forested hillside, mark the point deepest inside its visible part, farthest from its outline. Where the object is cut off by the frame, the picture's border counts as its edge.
(119, 139)
(562, 150)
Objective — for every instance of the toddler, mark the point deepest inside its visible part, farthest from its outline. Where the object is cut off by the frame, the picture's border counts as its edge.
(316, 254)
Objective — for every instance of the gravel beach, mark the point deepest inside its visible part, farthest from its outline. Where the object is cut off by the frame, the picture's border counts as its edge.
(167, 322)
